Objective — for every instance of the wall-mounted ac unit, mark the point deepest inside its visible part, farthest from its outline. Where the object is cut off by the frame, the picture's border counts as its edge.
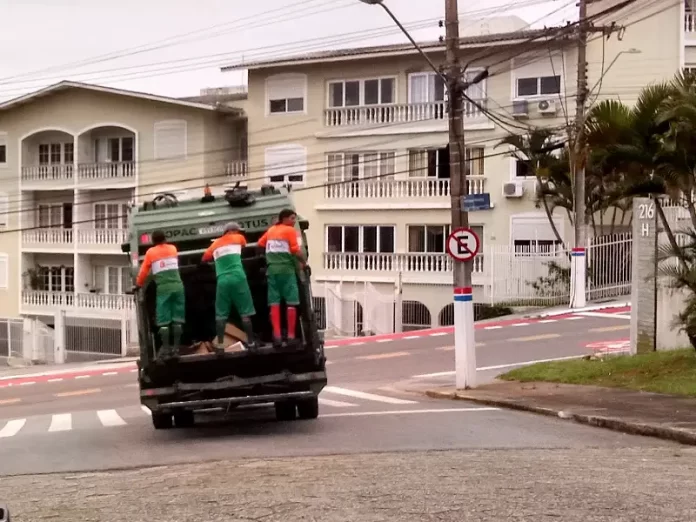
(547, 106)
(513, 189)
(520, 109)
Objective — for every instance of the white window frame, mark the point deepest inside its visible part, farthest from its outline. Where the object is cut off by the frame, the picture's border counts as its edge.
(385, 162)
(361, 82)
(123, 278)
(63, 277)
(50, 208)
(361, 238)
(301, 167)
(285, 78)
(121, 216)
(165, 125)
(470, 73)
(479, 229)
(538, 95)
(4, 271)
(4, 145)
(62, 151)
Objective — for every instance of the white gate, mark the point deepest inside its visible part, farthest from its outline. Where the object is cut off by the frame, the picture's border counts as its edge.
(89, 339)
(356, 309)
(609, 266)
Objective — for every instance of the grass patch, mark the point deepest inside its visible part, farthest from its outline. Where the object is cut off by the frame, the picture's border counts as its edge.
(671, 372)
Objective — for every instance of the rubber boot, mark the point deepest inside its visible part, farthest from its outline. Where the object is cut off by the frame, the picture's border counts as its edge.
(249, 331)
(220, 333)
(177, 331)
(166, 348)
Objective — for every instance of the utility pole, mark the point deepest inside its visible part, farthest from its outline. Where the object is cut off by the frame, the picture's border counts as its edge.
(465, 354)
(579, 257)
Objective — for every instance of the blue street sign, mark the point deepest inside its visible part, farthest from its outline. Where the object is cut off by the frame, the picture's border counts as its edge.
(474, 202)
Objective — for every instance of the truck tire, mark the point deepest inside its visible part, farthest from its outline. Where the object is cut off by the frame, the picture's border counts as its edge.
(308, 408)
(285, 411)
(184, 419)
(161, 421)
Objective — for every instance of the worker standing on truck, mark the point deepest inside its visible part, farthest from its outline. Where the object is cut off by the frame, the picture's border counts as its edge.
(162, 260)
(232, 285)
(282, 254)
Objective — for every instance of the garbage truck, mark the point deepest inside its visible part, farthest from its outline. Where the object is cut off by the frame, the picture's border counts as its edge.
(201, 378)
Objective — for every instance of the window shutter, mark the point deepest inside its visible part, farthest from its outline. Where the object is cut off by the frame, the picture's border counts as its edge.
(170, 139)
(4, 210)
(4, 269)
(282, 88)
(286, 164)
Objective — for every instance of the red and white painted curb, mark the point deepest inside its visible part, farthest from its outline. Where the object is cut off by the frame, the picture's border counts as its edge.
(130, 367)
(607, 347)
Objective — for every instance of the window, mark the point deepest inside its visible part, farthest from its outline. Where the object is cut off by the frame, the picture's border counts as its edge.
(286, 93)
(523, 168)
(111, 216)
(431, 239)
(170, 139)
(352, 93)
(286, 164)
(347, 166)
(55, 215)
(426, 87)
(537, 86)
(435, 163)
(120, 149)
(57, 278)
(112, 279)
(56, 153)
(3, 149)
(360, 239)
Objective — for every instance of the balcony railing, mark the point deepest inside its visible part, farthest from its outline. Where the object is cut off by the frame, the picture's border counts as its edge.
(689, 23)
(405, 263)
(396, 113)
(82, 301)
(416, 188)
(102, 236)
(112, 171)
(48, 236)
(48, 173)
(236, 170)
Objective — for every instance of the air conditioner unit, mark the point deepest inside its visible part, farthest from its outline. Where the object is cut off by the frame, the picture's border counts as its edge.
(547, 107)
(514, 189)
(520, 109)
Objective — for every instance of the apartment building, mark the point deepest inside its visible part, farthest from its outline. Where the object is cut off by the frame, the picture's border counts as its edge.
(361, 136)
(73, 159)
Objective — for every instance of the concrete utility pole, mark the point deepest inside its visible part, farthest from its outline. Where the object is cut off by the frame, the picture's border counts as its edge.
(579, 268)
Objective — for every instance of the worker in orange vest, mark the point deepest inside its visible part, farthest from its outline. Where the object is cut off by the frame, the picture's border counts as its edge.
(162, 260)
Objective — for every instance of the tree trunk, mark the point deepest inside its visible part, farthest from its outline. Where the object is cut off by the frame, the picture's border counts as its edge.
(549, 216)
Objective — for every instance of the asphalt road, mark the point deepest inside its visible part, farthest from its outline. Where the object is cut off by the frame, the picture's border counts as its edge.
(97, 423)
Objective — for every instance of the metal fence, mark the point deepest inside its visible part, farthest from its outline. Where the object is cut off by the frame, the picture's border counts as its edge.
(609, 266)
(89, 339)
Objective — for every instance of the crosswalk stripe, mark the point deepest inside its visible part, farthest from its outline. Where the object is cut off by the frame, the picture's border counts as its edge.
(61, 422)
(335, 404)
(366, 396)
(12, 428)
(110, 418)
(146, 410)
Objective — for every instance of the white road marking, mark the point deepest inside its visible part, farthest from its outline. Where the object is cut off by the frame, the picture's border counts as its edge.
(412, 337)
(606, 316)
(55, 380)
(438, 334)
(61, 422)
(574, 318)
(404, 412)
(110, 418)
(544, 321)
(521, 324)
(492, 327)
(384, 340)
(12, 428)
(426, 375)
(335, 404)
(134, 370)
(356, 344)
(526, 363)
(145, 409)
(366, 396)
(82, 377)
(27, 383)
(109, 373)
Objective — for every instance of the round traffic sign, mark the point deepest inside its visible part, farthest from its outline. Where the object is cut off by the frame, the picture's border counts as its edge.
(463, 244)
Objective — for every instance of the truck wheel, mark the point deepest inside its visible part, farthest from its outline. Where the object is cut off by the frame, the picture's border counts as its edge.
(161, 421)
(308, 408)
(285, 411)
(184, 419)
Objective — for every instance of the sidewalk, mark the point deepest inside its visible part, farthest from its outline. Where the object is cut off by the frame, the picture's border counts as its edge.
(638, 413)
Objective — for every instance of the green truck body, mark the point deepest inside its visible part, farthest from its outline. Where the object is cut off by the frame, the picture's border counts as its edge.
(291, 377)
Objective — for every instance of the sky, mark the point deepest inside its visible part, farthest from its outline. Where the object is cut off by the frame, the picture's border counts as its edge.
(176, 47)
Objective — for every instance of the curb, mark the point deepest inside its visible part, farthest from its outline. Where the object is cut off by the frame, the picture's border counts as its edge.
(611, 423)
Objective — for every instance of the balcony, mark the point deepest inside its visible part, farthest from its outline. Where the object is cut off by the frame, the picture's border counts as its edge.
(37, 301)
(101, 239)
(416, 189)
(397, 113)
(109, 173)
(60, 175)
(414, 267)
(48, 239)
(236, 171)
(690, 25)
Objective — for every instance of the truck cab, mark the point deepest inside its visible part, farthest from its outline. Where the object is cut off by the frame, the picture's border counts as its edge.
(291, 377)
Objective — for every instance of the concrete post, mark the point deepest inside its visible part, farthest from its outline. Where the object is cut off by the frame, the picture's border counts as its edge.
(59, 337)
(643, 274)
